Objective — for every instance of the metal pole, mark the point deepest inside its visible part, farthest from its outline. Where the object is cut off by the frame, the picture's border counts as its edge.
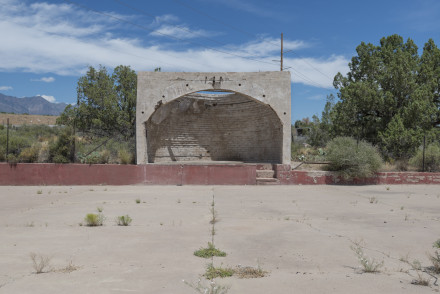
(7, 138)
(281, 68)
(423, 163)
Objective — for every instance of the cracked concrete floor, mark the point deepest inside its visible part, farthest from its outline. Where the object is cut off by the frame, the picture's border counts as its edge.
(301, 235)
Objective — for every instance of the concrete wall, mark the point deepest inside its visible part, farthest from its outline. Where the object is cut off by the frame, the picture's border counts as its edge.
(210, 127)
(157, 89)
(113, 174)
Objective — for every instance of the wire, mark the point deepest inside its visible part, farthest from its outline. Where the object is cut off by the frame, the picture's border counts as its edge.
(245, 32)
(163, 34)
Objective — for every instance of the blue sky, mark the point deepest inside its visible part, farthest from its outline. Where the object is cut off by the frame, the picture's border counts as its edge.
(45, 46)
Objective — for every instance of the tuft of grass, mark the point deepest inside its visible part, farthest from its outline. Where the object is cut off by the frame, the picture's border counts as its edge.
(68, 268)
(214, 217)
(436, 244)
(40, 263)
(372, 200)
(39, 192)
(215, 272)
(138, 201)
(94, 220)
(123, 220)
(209, 252)
(99, 209)
(369, 265)
(248, 272)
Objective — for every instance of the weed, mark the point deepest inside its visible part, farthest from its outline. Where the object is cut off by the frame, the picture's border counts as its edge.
(248, 272)
(30, 225)
(68, 268)
(178, 201)
(387, 188)
(372, 200)
(209, 252)
(123, 220)
(138, 201)
(214, 272)
(369, 265)
(161, 223)
(214, 218)
(39, 192)
(211, 288)
(99, 209)
(435, 260)
(436, 244)
(40, 262)
(93, 220)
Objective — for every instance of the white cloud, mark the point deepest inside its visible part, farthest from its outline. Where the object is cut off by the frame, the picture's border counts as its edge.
(44, 79)
(48, 98)
(181, 32)
(5, 88)
(61, 39)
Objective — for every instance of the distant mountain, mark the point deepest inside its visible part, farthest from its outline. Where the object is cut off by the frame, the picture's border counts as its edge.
(30, 105)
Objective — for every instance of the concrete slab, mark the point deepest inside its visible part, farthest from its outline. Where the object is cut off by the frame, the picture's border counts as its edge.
(300, 234)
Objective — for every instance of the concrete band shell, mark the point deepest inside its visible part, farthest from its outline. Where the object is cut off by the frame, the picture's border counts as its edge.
(268, 91)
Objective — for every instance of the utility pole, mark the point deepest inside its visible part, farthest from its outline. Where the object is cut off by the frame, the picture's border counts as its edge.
(281, 68)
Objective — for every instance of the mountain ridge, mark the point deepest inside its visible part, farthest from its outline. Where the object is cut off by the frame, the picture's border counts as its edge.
(30, 105)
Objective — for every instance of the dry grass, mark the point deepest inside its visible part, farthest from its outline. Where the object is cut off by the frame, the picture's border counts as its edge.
(24, 119)
(40, 263)
(248, 272)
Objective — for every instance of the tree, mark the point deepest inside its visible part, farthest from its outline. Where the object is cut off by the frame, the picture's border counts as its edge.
(106, 104)
(390, 96)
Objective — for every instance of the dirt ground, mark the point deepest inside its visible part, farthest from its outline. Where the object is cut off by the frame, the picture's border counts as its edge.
(300, 235)
(25, 119)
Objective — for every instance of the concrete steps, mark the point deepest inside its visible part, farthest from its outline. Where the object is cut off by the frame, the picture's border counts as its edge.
(266, 175)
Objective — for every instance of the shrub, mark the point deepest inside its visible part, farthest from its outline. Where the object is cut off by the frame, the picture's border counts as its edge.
(93, 219)
(61, 150)
(125, 157)
(353, 159)
(29, 154)
(123, 220)
(40, 262)
(432, 158)
(209, 252)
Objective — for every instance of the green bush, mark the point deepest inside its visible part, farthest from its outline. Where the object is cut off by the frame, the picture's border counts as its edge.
(124, 220)
(432, 158)
(61, 149)
(93, 219)
(353, 159)
(29, 154)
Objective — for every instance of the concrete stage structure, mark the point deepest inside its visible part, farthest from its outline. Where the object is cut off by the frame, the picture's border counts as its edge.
(213, 117)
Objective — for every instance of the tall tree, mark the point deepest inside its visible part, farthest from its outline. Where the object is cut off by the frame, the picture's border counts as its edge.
(106, 103)
(390, 96)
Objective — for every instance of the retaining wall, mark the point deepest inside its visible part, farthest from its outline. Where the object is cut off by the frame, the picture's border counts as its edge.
(188, 174)
(112, 174)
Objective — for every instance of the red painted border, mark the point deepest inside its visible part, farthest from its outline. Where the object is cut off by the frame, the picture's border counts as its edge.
(286, 176)
(186, 174)
(112, 174)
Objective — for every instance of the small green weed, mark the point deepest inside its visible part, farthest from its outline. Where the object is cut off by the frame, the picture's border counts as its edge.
(222, 272)
(123, 220)
(94, 220)
(369, 265)
(209, 252)
(39, 192)
(138, 201)
(99, 209)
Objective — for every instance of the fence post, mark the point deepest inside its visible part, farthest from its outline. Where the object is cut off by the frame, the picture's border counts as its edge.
(423, 162)
(7, 138)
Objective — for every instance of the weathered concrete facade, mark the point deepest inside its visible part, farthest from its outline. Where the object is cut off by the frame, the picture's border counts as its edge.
(250, 123)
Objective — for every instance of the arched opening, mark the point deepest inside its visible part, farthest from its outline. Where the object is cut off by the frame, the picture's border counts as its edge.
(220, 126)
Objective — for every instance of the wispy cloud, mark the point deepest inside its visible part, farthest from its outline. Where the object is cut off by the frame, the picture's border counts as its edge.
(44, 79)
(5, 88)
(181, 32)
(48, 98)
(33, 42)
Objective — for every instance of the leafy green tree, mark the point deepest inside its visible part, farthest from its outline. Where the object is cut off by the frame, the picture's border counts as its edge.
(106, 103)
(390, 96)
